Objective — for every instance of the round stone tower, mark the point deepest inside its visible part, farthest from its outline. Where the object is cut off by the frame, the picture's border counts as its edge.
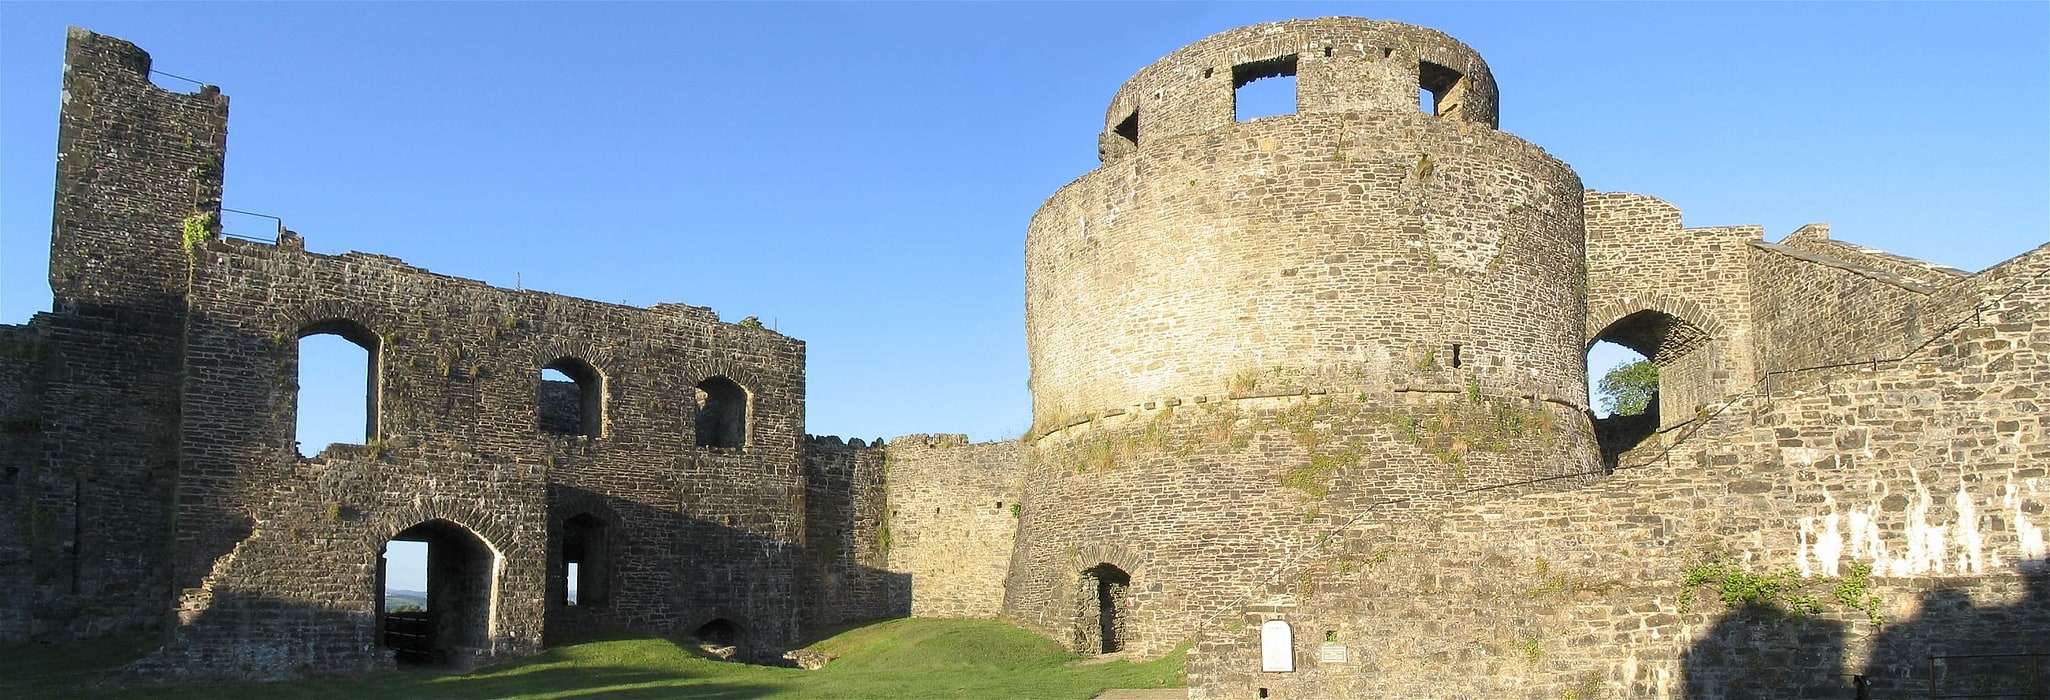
(1357, 234)
(1246, 333)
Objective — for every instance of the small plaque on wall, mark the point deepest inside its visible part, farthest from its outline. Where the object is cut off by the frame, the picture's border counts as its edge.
(1331, 654)
(1277, 647)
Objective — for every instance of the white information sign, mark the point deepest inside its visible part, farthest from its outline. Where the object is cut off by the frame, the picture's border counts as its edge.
(1277, 647)
(1331, 654)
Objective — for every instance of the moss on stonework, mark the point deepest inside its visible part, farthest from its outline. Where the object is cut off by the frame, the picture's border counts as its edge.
(1328, 432)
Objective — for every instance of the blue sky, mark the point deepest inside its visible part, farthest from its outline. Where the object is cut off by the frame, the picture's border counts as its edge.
(860, 175)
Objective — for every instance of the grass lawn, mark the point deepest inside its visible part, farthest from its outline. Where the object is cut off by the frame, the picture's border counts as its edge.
(894, 659)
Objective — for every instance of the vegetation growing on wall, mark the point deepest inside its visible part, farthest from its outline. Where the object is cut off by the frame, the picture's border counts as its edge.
(1782, 592)
(198, 228)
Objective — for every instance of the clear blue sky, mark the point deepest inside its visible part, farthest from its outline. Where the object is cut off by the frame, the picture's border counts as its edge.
(861, 175)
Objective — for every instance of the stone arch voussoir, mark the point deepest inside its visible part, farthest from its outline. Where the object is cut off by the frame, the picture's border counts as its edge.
(1606, 313)
(297, 319)
(1118, 555)
(390, 522)
(575, 348)
(697, 372)
(1698, 323)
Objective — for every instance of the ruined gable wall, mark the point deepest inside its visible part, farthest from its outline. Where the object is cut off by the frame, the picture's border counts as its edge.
(953, 516)
(694, 533)
(1929, 470)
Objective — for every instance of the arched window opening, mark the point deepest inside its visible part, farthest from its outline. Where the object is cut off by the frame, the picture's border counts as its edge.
(336, 400)
(434, 602)
(722, 413)
(720, 632)
(586, 561)
(572, 398)
(1103, 621)
(1264, 88)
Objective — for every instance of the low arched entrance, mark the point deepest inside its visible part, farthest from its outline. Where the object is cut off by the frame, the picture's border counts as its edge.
(1679, 357)
(452, 626)
(1102, 621)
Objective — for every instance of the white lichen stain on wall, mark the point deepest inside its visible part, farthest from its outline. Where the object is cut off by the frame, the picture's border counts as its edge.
(1932, 545)
(2027, 534)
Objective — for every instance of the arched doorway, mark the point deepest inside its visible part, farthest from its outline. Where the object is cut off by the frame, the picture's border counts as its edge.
(456, 572)
(1102, 619)
(1660, 367)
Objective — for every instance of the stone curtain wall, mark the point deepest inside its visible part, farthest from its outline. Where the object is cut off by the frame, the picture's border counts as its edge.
(953, 515)
(1203, 501)
(1930, 471)
(1814, 238)
(29, 544)
(1815, 309)
(846, 503)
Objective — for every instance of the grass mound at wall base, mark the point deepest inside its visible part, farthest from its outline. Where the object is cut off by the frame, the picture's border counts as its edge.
(909, 658)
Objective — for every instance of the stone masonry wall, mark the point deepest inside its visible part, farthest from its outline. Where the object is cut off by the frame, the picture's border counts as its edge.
(692, 533)
(96, 453)
(1201, 501)
(1927, 472)
(1342, 246)
(1341, 64)
(1640, 260)
(1814, 309)
(846, 501)
(953, 515)
(152, 414)
(28, 544)
(1814, 238)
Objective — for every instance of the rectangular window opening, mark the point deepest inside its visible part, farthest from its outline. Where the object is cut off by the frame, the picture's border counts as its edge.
(573, 575)
(1264, 88)
(1437, 88)
(1456, 359)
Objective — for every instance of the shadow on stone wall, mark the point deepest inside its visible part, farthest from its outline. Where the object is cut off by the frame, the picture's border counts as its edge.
(676, 574)
(1950, 648)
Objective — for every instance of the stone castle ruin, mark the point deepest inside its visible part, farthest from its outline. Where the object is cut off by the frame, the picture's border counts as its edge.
(1308, 391)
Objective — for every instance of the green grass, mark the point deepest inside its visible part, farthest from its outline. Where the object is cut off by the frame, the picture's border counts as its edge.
(895, 659)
